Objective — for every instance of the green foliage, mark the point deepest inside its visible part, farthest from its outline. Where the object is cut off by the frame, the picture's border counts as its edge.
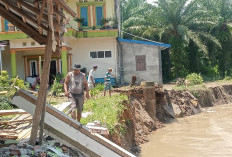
(7, 84)
(106, 110)
(194, 79)
(97, 89)
(58, 85)
(4, 79)
(5, 103)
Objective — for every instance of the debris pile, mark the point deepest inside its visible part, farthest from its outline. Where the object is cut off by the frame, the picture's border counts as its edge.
(16, 128)
(49, 149)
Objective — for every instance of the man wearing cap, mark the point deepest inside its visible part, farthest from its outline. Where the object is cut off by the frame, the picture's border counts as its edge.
(91, 78)
(74, 86)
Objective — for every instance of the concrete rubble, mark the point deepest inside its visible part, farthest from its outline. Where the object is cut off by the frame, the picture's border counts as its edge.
(50, 148)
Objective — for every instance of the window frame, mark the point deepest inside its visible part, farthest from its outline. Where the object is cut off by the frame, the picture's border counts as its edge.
(96, 51)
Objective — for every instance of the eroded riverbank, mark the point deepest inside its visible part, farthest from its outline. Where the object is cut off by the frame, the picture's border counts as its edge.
(170, 104)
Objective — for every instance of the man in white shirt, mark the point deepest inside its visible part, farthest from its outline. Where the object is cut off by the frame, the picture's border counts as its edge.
(91, 81)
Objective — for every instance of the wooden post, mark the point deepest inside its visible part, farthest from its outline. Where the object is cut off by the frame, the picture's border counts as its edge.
(41, 102)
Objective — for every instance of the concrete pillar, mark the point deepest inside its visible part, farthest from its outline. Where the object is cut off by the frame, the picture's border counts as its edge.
(13, 63)
(149, 98)
(64, 62)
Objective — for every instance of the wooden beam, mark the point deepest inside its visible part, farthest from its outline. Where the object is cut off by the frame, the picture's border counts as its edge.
(42, 90)
(23, 14)
(29, 30)
(66, 8)
(19, 6)
(41, 12)
(34, 10)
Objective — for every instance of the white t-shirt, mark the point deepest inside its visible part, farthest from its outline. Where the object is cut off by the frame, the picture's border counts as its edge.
(91, 73)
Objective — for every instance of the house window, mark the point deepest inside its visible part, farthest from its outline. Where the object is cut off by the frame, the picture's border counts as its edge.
(82, 1)
(108, 54)
(99, 15)
(84, 15)
(140, 63)
(32, 43)
(100, 54)
(6, 25)
(33, 68)
(93, 54)
(24, 43)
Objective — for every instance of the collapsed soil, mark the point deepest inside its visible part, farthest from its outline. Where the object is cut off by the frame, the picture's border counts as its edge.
(141, 118)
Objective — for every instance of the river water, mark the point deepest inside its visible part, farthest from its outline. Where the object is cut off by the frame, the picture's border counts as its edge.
(208, 134)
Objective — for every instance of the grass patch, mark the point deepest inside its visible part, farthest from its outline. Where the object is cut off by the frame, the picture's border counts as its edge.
(106, 110)
(195, 87)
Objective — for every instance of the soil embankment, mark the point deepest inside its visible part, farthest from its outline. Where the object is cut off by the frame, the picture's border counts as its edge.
(148, 109)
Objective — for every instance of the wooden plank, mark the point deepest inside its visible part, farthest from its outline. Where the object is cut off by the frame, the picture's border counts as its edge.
(42, 94)
(64, 106)
(3, 92)
(12, 18)
(16, 121)
(12, 112)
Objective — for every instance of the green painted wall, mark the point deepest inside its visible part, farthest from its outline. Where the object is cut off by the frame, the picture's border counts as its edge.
(92, 34)
(64, 63)
(16, 35)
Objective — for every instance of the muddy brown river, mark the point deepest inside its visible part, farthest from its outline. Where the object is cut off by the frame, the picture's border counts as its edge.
(208, 134)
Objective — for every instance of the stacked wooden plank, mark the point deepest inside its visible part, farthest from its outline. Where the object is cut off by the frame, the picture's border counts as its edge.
(16, 128)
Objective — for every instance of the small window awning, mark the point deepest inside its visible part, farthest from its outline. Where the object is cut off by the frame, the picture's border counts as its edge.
(158, 44)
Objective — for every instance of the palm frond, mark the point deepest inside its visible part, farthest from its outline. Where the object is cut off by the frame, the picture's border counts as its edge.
(196, 39)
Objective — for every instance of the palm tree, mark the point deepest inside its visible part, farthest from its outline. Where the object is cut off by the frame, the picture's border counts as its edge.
(222, 30)
(135, 14)
(182, 22)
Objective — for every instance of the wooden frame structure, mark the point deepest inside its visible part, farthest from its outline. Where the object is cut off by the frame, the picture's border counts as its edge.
(44, 21)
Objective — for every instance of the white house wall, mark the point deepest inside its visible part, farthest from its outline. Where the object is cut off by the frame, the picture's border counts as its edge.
(81, 49)
(153, 69)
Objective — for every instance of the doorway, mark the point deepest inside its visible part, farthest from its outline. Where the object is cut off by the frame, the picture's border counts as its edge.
(53, 71)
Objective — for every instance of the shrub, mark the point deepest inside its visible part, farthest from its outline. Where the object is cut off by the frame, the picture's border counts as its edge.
(58, 85)
(97, 89)
(4, 79)
(7, 84)
(194, 79)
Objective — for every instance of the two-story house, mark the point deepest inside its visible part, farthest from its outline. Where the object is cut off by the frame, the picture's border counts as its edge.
(91, 42)
(91, 39)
